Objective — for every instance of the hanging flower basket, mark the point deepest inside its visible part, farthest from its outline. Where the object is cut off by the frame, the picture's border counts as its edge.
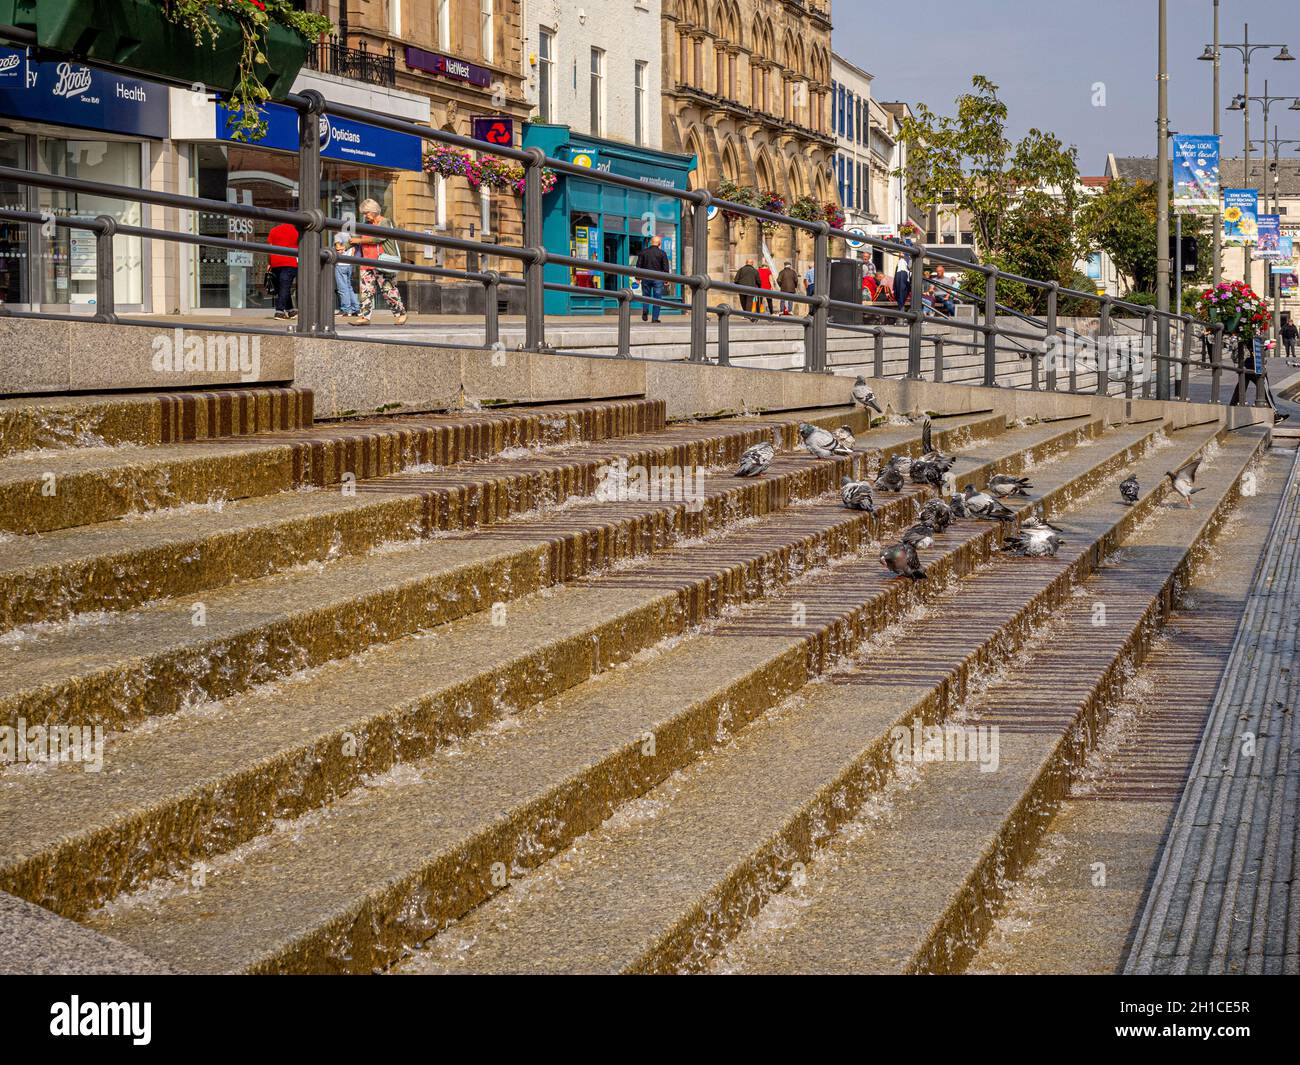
(486, 170)
(1236, 307)
(250, 50)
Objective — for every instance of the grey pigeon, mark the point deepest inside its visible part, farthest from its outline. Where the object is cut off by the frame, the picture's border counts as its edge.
(921, 535)
(983, 505)
(1184, 480)
(927, 445)
(756, 459)
(1036, 539)
(957, 505)
(820, 442)
(936, 513)
(856, 495)
(1002, 486)
(863, 395)
(1129, 489)
(846, 438)
(902, 560)
(890, 478)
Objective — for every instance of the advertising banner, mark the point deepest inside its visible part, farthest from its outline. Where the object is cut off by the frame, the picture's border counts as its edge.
(1196, 173)
(1268, 237)
(1240, 216)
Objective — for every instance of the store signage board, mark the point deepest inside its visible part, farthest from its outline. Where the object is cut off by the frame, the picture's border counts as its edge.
(494, 130)
(67, 93)
(448, 66)
(353, 142)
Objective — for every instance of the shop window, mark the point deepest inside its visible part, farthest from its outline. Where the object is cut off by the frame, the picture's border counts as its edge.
(444, 24)
(14, 236)
(545, 75)
(639, 101)
(487, 33)
(597, 92)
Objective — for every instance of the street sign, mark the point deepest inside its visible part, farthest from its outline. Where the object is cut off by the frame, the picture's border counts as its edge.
(861, 235)
(713, 211)
(500, 131)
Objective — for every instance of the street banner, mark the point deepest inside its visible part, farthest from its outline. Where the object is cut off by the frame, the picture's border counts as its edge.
(1268, 237)
(1196, 173)
(1240, 216)
(1285, 261)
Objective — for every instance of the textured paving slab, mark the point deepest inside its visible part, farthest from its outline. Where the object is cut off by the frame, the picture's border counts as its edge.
(1120, 807)
(35, 942)
(1223, 899)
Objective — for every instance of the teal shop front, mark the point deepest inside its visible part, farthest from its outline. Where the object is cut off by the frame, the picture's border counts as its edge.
(591, 220)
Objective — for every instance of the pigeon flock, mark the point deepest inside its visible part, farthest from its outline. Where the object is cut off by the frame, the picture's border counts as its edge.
(1035, 537)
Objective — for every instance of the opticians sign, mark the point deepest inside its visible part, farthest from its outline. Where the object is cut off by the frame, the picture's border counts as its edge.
(354, 142)
(67, 93)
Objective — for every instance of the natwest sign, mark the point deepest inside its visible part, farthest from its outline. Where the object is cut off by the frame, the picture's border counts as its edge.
(448, 66)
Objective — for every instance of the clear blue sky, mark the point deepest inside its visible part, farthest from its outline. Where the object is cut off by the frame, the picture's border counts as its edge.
(1045, 56)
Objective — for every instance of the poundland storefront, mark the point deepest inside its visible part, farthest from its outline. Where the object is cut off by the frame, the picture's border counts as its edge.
(590, 220)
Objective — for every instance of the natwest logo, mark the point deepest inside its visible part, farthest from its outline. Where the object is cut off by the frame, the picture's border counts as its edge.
(72, 81)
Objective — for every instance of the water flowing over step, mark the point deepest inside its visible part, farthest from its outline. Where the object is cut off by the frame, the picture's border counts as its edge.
(425, 846)
(431, 687)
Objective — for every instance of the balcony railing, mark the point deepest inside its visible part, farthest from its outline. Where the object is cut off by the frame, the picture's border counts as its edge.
(359, 63)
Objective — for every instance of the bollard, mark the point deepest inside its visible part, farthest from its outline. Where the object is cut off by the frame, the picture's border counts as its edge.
(878, 358)
(938, 359)
(724, 335)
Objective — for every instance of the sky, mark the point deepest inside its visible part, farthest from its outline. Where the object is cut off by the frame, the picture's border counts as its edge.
(1046, 56)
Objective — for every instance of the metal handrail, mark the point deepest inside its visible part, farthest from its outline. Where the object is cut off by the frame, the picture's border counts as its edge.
(314, 257)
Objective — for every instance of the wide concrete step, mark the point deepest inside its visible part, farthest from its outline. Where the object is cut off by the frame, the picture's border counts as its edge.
(117, 565)
(916, 889)
(57, 422)
(723, 840)
(439, 835)
(42, 491)
(202, 782)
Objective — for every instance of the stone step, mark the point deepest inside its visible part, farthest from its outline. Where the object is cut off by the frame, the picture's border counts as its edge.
(663, 892)
(281, 747)
(117, 565)
(916, 890)
(56, 422)
(43, 491)
(516, 794)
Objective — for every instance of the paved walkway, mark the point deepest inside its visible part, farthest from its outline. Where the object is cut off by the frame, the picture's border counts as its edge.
(1223, 899)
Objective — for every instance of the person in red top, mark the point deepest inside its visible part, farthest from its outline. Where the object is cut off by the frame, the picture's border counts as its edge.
(765, 281)
(284, 268)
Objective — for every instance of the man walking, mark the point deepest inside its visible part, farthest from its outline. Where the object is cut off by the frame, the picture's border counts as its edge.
(902, 284)
(747, 276)
(787, 281)
(1289, 333)
(284, 268)
(653, 257)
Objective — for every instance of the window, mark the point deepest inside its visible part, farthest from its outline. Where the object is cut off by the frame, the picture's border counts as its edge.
(597, 92)
(444, 24)
(486, 34)
(545, 75)
(395, 17)
(638, 102)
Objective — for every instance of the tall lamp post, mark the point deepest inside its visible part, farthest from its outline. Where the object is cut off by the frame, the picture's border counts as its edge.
(1246, 49)
(1214, 55)
(1271, 169)
(1162, 205)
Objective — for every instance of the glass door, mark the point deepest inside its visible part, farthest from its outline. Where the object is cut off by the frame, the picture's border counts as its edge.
(15, 237)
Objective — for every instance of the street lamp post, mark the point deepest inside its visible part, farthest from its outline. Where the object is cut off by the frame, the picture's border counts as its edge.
(1162, 205)
(1242, 102)
(1271, 168)
(1214, 54)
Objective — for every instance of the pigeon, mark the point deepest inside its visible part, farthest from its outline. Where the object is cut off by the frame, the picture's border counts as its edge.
(862, 394)
(821, 443)
(857, 495)
(1036, 539)
(928, 472)
(1184, 478)
(957, 505)
(1129, 489)
(983, 505)
(756, 459)
(901, 559)
(890, 478)
(937, 513)
(845, 436)
(927, 445)
(1003, 486)
(921, 535)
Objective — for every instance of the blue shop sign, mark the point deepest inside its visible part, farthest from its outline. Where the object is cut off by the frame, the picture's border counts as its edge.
(353, 142)
(65, 93)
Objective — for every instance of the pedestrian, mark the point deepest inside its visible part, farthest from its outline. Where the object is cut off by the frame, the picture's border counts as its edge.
(1289, 334)
(653, 257)
(787, 281)
(343, 274)
(378, 278)
(765, 281)
(810, 275)
(871, 285)
(748, 277)
(902, 284)
(284, 268)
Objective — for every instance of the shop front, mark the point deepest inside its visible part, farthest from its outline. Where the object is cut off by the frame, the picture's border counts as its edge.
(595, 221)
(358, 162)
(69, 119)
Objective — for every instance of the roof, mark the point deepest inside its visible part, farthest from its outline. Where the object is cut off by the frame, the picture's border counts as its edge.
(1143, 168)
(1095, 182)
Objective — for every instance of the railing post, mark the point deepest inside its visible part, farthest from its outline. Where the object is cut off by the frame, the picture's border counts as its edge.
(878, 357)
(916, 323)
(309, 239)
(700, 268)
(724, 334)
(105, 299)
(938, 358)
(1074, 362)
(1164, 353)
(492, 309)
(625, 324)
(535, 270)
(810, 343)
(329, 257)
(990, 330)
(820, 311)
(1053, 296)
(1103, 338)
(1185, 363)
(1216, 372)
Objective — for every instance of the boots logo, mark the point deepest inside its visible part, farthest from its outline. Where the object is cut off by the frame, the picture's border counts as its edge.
(72, 81)
(9, 63)
(326, 132)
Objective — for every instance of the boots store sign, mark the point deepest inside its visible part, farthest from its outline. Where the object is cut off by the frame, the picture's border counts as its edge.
(68, 93)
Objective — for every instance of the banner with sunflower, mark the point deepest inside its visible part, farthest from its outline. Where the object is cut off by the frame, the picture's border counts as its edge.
(1240, 216)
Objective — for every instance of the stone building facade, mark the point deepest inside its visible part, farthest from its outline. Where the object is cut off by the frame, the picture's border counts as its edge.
(747, 91)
